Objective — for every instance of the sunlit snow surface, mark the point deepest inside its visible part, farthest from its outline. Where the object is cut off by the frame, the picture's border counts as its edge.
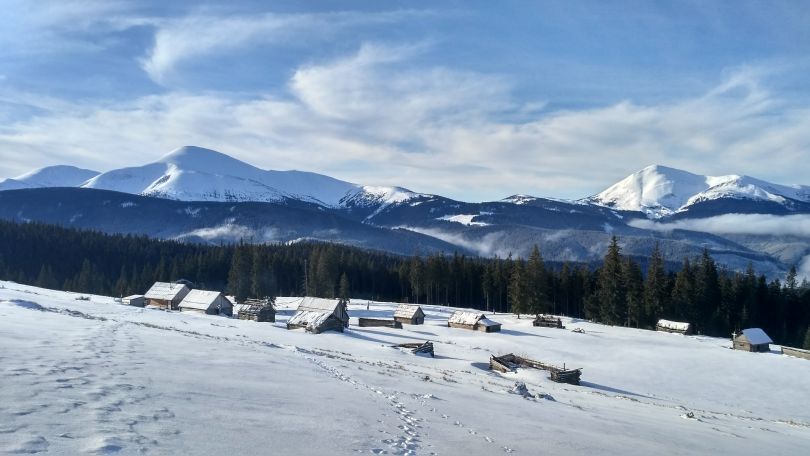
(94, 376)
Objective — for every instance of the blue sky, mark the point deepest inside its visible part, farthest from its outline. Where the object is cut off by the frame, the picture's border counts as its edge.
(473, 100)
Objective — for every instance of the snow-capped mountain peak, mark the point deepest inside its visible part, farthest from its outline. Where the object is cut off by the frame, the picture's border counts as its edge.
(49, 176)
(659, 191)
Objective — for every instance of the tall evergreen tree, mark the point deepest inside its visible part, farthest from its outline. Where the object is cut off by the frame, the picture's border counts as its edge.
(656, 295)
(611, 292)
(634, 284)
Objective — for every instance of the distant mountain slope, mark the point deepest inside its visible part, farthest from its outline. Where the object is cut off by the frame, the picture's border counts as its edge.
(208, 222)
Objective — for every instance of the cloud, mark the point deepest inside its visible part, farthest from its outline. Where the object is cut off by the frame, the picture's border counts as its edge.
(755, 224)
(232, 233)
(199, 35)
(379, 116)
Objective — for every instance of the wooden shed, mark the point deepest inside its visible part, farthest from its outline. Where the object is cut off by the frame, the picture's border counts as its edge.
(207, 302)
(166, 295)
(409, 314)
(134, 300)
(317, 315)
(677, 327)
(261, 310)
(752, 340)
(472, 320)
(548, 321)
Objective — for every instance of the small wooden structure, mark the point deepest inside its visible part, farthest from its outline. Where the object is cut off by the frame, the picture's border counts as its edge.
(510, 363)
(317, 315)
(261, 310)
(378, 322)
(752, 340)
(207, 302)
(548, 321)
(797, 352)
(472, 320)
(677, 327)
(166, 295)
(418, 347)
(409, 314)
(134, 300)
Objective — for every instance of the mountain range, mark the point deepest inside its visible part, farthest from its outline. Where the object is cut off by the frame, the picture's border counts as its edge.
(200, 195)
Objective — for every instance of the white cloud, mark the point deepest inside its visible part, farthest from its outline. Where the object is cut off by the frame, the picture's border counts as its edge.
(374, 117)
(756, 224)
(199, 35)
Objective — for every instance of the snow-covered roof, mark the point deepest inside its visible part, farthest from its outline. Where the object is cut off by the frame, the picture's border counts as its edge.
(487, 322)
(165, 291)
(465, 318)
(674, 325)
(318, 304)
(200, 299)
(756, 336)
(310, 319)
(407, 311)
(133, 297)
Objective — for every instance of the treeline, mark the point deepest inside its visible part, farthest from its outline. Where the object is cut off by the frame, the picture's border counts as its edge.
(617, 292)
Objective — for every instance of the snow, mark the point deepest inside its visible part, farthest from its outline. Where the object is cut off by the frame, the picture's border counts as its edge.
(674, 325)
(98, 377)
(756, 336)
(196, 174)
(519, 199)
(199, 299)
(659, 191)
(465, 318)
(50, 176)
(464, 219)
(165, 291)
(406, 311)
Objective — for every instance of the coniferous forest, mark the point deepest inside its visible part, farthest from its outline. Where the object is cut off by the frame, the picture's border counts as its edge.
(616, 292)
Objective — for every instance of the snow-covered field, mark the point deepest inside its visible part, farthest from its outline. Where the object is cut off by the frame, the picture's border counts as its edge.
(79, 376)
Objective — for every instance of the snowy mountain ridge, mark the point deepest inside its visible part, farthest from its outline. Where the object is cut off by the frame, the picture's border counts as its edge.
(197, 174)
(659, 191)
(192, 173)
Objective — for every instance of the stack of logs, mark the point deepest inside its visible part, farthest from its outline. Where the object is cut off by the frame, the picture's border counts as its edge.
(418, 347)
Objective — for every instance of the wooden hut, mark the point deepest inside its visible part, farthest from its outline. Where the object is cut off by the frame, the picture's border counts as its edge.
(317, 315)
(547, 321)
(677, 327)
(134, 300)
(364, 322)
(472, 320)
(207, 302)
(165, 295)
(752, 340)
(261, 310)
(409, 314)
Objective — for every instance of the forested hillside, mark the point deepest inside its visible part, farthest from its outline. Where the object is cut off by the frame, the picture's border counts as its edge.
(617, 292)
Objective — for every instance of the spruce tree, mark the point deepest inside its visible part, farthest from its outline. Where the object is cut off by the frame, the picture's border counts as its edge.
(634, 284)
(344, 287)
(656, 297)
(611, 293)
(518, 293)
(536, 284)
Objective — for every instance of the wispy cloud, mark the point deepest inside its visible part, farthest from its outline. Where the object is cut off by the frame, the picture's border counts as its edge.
(203, 34)
(374, 117)
(755, 224)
